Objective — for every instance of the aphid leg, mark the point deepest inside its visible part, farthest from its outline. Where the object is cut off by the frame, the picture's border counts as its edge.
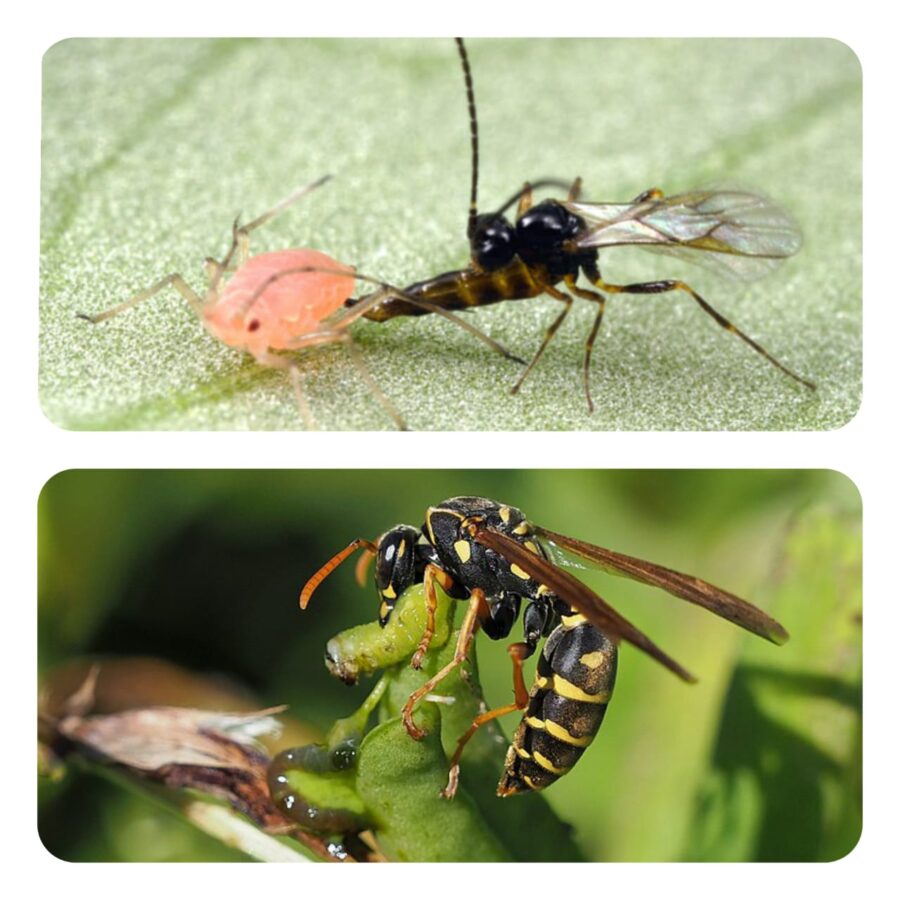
(432, 574)
(376, 391)
(525, 201)
(314, 582)
(563, 297)
(518, 653)
(239, 251)
(475, 612)
(177, 282)
(288, 365)
(600, 300)
(649, 194)
(337, 336)
(575, 190)
(662, 287)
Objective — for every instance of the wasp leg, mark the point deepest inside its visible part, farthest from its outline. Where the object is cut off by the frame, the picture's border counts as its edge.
(525, 201)
(661, 287)
(174, 279)
(649, 194)
(476, 610)
(518, 653)
(600, 300)
(575, 190)
(563, 297)
(314, 582)
(432, 574)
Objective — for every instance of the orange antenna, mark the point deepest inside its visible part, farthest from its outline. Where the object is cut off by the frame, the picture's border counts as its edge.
(311, 585)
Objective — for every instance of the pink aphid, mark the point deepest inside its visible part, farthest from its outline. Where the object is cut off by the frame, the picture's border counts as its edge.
(260, 309)
(275, 302)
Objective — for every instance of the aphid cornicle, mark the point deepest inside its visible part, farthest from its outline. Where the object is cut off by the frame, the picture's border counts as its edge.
(550, 244)
(490, 556)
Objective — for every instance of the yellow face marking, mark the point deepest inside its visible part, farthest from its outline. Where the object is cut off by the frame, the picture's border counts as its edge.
(504, 514)
(573, 692)
(573, 621)
(519, 572)
(463, 550)
(522, 528)
(389, 592)
(592, 660)
(560, 733)
(545, 763)
(401, 549)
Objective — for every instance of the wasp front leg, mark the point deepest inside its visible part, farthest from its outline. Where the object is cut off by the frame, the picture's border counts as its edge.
(433, 575)
(477, 611)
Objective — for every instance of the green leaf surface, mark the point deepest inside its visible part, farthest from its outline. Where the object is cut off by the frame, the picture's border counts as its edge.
(150, 148)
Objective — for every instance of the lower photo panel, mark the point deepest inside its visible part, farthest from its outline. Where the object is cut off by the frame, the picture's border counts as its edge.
(432, 665)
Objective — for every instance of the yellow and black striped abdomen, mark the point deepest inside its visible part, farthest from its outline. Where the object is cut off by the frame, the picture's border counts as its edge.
(575, 677)
(461, 289)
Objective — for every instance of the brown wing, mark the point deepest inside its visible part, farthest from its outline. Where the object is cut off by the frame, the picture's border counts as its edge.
(593, 607)
(710, 597)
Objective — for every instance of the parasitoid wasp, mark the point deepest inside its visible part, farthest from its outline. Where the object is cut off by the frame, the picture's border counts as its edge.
(489, 555)
(734, 232)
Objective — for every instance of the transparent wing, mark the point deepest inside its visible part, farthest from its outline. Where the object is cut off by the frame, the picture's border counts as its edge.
(736, 233)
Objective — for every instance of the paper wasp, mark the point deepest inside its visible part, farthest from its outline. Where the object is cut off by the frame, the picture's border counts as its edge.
(489, 555)
(736, 232)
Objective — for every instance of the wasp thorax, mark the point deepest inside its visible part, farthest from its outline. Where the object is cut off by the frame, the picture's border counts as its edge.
(544, 228)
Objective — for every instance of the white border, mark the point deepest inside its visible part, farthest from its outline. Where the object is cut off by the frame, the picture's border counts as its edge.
(865, 450)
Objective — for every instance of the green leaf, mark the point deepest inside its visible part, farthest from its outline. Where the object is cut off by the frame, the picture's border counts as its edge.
(785, 782)
(150, 148)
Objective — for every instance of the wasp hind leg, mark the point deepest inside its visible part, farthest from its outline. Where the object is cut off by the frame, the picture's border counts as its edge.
(518, 653)
(563, 297)
(662, 287)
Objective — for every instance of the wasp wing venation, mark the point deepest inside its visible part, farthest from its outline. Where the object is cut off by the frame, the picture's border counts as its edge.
(579, 596)
(714, 599)
(727, 223)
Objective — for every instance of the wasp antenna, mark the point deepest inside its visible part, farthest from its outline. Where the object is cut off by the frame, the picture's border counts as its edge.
(311, 585)
(473, 131)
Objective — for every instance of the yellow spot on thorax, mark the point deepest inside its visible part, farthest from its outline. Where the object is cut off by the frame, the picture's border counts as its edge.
(573, 621)
(504, 514)
(519, 572)
(463, 550)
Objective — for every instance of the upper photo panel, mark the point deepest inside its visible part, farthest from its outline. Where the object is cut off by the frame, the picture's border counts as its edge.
(444, 235)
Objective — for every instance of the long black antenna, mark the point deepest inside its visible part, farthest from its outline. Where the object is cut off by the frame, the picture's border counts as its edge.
(473, 130)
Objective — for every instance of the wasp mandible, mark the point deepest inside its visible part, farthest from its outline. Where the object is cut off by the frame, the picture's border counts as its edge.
(490, 556)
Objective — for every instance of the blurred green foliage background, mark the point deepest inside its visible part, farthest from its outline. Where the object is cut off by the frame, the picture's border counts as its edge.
(759, 761)
(151, 147)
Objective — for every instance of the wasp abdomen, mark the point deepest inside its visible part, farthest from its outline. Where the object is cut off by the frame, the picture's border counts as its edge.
(461, 289)
(575, 677)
